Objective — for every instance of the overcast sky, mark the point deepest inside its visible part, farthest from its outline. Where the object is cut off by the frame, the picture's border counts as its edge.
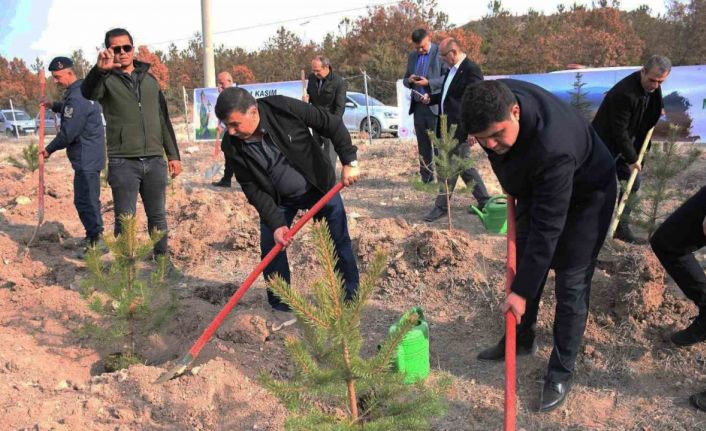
(48, 28)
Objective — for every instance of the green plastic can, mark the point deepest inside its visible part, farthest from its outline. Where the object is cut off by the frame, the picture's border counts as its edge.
(494, 214)
(412, 355)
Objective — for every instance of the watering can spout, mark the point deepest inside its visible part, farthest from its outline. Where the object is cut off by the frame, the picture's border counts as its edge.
(478, 212)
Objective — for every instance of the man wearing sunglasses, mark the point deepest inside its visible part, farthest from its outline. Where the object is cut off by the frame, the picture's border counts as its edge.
(139, 132)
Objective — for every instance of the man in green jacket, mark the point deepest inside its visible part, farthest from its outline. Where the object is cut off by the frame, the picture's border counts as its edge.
(138, 132)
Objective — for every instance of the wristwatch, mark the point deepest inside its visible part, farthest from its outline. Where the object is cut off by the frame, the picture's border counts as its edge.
(353, 164)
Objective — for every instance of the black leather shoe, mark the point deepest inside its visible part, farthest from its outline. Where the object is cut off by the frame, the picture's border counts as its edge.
(694, 333)
(221, 183)
(553, 395)
(497, 352)
(435, 214)
(699, 400)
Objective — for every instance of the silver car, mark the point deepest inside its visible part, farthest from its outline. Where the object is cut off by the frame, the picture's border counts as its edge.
(383, 118)
(16, 120)
(52, 122)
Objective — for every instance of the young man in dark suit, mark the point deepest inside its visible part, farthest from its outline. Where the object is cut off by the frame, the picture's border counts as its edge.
(282, 169)
(547, 156)
(462, 72)
(423, 76)
(628, 111)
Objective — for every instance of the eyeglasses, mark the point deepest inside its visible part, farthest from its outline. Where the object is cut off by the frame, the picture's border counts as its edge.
(444, 54)
(118, 48)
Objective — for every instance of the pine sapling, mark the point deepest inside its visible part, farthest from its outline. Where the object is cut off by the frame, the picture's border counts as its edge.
(333, 386)
(132, 301)
(448, 164)
(661, 168)
(29, 160)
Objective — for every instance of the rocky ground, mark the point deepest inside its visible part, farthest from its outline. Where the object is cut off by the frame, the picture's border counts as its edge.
(629, 377)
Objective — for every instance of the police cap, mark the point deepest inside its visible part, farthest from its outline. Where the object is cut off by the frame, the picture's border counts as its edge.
(60, 63)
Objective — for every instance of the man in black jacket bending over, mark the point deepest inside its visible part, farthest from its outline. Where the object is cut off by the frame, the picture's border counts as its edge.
(628, 111)
(550, 159)
(282, 169)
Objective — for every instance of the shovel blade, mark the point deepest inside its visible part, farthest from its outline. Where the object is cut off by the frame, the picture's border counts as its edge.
(212, 171)
(176, 370)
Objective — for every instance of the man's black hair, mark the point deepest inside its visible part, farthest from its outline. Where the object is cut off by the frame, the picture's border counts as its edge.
(233, 99)
(485, 103)
(115, 33)
(418, 35)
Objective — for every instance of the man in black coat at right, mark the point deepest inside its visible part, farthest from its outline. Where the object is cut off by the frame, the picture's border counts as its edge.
(628, 111)
(550, 159)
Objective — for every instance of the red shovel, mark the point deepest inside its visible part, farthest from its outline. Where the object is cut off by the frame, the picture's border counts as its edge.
(40, 149)
(510, 322)
(191, 355)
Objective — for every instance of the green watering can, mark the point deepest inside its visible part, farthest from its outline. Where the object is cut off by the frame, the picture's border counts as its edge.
(412, 355)
(494, 214)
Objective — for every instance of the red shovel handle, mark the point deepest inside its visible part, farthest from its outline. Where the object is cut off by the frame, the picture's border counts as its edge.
(216, 323)
(510, 322)
(40, 149)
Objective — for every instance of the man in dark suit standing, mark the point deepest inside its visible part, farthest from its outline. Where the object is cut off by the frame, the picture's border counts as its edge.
(423, 76)
(462, 71)
(326, 89)
(550, 159)
(628, 111)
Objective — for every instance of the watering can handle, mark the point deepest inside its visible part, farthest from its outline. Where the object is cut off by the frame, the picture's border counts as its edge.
(496, 198)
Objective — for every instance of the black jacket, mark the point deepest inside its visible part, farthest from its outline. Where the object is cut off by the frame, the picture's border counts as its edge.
(287, 121)
(332, 94)
(622, 121)
(468, 72)
(81, 131)
(555, 169)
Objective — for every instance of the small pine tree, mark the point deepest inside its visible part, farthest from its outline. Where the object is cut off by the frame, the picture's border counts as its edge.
(661, 167)
(30, 158)
(448, 164)
(333, 387)
(131, 302)
(579, 99)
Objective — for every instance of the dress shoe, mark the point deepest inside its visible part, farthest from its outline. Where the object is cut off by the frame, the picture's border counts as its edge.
(553, 395)
(435, 214)
(523, 347)
(624, 234)
(694, 333)
(221, 183)
(699, 400)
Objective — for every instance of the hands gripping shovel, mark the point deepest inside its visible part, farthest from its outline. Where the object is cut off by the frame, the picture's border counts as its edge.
(191, 355)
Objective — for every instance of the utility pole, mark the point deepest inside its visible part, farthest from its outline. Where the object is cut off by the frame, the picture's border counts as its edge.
(209, 67)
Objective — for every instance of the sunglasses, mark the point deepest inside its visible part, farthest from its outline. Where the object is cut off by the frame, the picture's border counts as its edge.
(118, 48)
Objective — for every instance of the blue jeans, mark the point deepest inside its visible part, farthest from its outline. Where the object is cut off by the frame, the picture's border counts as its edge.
(335, 215)
(148, 177)
(87, 200)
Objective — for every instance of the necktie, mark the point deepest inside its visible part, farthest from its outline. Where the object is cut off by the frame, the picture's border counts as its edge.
(421, 68)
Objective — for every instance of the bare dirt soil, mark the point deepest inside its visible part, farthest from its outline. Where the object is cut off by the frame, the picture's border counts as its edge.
(629, 376)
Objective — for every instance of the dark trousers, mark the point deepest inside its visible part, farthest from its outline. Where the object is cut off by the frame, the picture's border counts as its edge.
(87, 200)
(572, 286)
(622, 169)
(228, 171)
(424, 120)
(480, 193)
(148, 177)
(335, 215)
(676, 240)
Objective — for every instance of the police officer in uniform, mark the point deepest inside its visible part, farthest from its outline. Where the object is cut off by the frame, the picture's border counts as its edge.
(83, 136)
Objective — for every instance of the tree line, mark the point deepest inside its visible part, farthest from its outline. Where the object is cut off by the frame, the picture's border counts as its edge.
(501, 42)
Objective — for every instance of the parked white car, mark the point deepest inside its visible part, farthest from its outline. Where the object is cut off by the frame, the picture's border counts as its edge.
(17, 119)
(383, 118)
